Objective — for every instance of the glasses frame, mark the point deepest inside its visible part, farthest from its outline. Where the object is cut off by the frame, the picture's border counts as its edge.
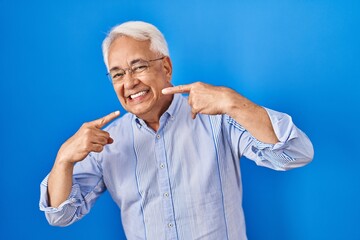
(130, 71)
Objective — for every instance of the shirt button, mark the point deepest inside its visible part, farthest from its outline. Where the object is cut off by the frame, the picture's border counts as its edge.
(166, 194)
(170, 225)
(172, 117)
(158, 136)
(162, 165)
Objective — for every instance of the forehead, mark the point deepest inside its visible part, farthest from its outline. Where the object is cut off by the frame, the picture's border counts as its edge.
(124, 49)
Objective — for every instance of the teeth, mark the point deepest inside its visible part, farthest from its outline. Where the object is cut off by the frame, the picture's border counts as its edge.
(138, 94)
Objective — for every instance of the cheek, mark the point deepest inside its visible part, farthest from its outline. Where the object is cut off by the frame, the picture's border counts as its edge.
(156, 83)
(119, 90)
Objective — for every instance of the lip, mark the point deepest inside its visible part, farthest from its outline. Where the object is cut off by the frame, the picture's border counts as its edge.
(135, 92)
(138, 95)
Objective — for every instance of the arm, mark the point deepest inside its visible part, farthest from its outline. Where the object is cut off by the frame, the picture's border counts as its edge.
(293, 149)
(207, 99)
(58, 189)
(89, 138)
(251, 116)
(269, 138)
(87, 186)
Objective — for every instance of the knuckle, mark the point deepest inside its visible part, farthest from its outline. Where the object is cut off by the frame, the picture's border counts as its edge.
(103, 141)
(102, 121)
(99, 148)
(198, 84)
(107, 135)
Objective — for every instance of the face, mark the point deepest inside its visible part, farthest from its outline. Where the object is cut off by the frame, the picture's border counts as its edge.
(140, 94)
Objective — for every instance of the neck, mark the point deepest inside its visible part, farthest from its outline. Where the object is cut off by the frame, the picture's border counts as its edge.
(153, 120)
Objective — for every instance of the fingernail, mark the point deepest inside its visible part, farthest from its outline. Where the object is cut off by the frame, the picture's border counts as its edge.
(164, 91)
(117, 112)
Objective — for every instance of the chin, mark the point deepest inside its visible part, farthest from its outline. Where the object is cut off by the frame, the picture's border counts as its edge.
(139, 110)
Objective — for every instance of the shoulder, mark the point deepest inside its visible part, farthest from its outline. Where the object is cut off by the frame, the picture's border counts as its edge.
(120, 124)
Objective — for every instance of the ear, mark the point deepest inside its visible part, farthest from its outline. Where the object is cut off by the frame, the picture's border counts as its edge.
(168, 68)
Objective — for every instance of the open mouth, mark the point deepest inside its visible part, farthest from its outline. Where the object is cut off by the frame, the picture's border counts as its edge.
(138, 94)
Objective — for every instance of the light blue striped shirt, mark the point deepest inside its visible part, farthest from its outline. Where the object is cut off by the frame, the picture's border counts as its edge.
(181, 182)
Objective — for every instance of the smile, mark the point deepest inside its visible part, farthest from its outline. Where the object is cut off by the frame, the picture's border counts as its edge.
(139, 94)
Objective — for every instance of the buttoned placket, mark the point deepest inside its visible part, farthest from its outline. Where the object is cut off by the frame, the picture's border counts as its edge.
(164, 180)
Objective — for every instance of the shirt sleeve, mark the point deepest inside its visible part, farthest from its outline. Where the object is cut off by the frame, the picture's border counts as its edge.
(293, 150)
(87, 186)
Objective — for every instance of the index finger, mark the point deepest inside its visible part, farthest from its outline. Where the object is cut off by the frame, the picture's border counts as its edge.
(177, 89)
(101, 122)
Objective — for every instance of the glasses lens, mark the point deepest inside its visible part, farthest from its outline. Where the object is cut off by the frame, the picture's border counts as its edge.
(117, 75)
(139, 67)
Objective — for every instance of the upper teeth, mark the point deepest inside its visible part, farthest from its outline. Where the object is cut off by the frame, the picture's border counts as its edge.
(137, 94)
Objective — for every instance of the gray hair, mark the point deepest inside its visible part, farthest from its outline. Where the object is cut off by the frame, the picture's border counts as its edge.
(138, 30)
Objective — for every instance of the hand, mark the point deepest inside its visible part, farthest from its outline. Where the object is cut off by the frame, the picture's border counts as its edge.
(208, 99)
(204, 98)
(89, 138)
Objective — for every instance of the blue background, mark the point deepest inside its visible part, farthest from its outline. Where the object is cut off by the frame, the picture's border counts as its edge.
(299, 57)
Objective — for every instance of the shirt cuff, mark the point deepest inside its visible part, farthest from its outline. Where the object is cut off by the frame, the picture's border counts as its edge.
(72, 200)
(284, 129)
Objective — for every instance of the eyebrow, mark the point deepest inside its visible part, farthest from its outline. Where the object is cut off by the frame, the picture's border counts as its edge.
(132, 62)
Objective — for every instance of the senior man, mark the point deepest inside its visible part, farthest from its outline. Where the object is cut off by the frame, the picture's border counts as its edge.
(171, 163)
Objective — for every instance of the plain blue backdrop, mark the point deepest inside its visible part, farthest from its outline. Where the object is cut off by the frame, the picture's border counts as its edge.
(299, 57)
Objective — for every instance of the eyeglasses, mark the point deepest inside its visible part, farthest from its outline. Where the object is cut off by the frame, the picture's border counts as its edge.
(136, 68)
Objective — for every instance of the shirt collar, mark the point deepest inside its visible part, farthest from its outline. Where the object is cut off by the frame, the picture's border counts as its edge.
(175, 105)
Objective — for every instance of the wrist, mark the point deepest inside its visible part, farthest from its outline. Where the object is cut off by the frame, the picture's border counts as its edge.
(228, 100)
(233, 102)
(241, 108)
(63, 163)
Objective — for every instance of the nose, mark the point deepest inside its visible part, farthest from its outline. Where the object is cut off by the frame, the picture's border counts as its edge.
(130, 81)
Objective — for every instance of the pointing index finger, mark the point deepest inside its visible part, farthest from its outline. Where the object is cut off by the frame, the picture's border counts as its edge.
(177, 89)
(101, 122)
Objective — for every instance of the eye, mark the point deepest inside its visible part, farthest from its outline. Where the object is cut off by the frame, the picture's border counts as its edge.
(139, 68)
(118, 75)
